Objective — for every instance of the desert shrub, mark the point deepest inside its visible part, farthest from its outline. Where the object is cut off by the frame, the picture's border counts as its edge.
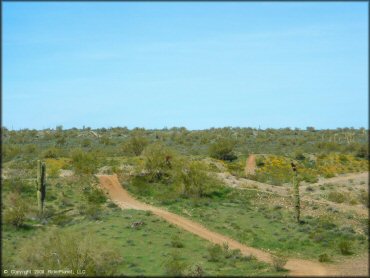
(215, 253)
(299, 155)
(308, 176)
(275, 170)
(105, 140)
(158, 162)
(345, 247)
(223, 149)
(176, 241)
(279, 261)
(140, 185)
(10, 151)
(195, 179)
(336, 197)
(135, 145)
(15, 212)
(364, 198)
(19, 186)
(51, 153)
(310, 189)
(53, 166)
(84, 163)
(86, 143)
(94, 195)
(324, 258)
(363, 152)
(31, 148)
(174, 265)
(237, 168)
(70, 250)
(93, 212)
(61, 219)
(196, 270)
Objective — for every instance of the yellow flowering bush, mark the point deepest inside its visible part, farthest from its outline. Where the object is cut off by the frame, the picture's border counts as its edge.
(277, 169)
(53, 165)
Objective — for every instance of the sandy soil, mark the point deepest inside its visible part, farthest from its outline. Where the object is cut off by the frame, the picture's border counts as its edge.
(250, 165)
(296, 267)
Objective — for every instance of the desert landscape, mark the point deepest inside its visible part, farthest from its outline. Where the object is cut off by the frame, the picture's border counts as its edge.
(180, 202)
(192, 139)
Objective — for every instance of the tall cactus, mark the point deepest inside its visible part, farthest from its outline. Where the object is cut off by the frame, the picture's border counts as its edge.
(297, 201)
(41, 185)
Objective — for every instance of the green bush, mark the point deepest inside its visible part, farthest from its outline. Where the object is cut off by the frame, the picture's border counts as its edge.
(86, 143)
(215, 253)
(345, 247)
(279, 261)
(174, 265)
(195, 179)
(84, 163)
(336, 197)
(51, 153)
(364, 198)
(158, 162)
(176, 242)
(196, 271)
(15, 213)
(223, 149)
(95, 195)
(140, 185)
(70, 250)
(135, 145)
(324, 258)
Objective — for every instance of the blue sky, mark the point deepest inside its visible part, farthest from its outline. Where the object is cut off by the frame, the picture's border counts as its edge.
(197, 65)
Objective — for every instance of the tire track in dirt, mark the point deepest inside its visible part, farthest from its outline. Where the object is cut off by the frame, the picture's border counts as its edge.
(122, 198)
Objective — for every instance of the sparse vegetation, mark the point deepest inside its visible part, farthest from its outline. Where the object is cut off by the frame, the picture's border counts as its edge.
(279, 261)
(173, 168)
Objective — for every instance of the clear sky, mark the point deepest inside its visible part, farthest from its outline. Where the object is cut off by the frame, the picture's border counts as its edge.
(197, 65)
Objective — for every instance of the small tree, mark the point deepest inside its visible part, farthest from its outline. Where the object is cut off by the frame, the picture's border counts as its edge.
(195, 179)
(223, 149)
(158, 162)
(136, 145)
(84, 163)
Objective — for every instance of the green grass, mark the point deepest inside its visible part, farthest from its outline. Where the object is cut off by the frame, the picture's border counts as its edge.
(144, 250)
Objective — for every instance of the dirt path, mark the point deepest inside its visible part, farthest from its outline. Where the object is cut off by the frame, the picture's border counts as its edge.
(250, 166)
(122, 198)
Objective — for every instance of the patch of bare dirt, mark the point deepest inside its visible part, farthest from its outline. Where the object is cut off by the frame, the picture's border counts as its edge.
(65, 173)
(250, 165)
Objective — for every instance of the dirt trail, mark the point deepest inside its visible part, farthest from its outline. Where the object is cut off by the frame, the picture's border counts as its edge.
(122, 198)
(250, 166)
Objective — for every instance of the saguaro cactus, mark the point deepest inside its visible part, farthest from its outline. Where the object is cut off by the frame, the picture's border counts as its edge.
(41, 185)
(297, 201)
